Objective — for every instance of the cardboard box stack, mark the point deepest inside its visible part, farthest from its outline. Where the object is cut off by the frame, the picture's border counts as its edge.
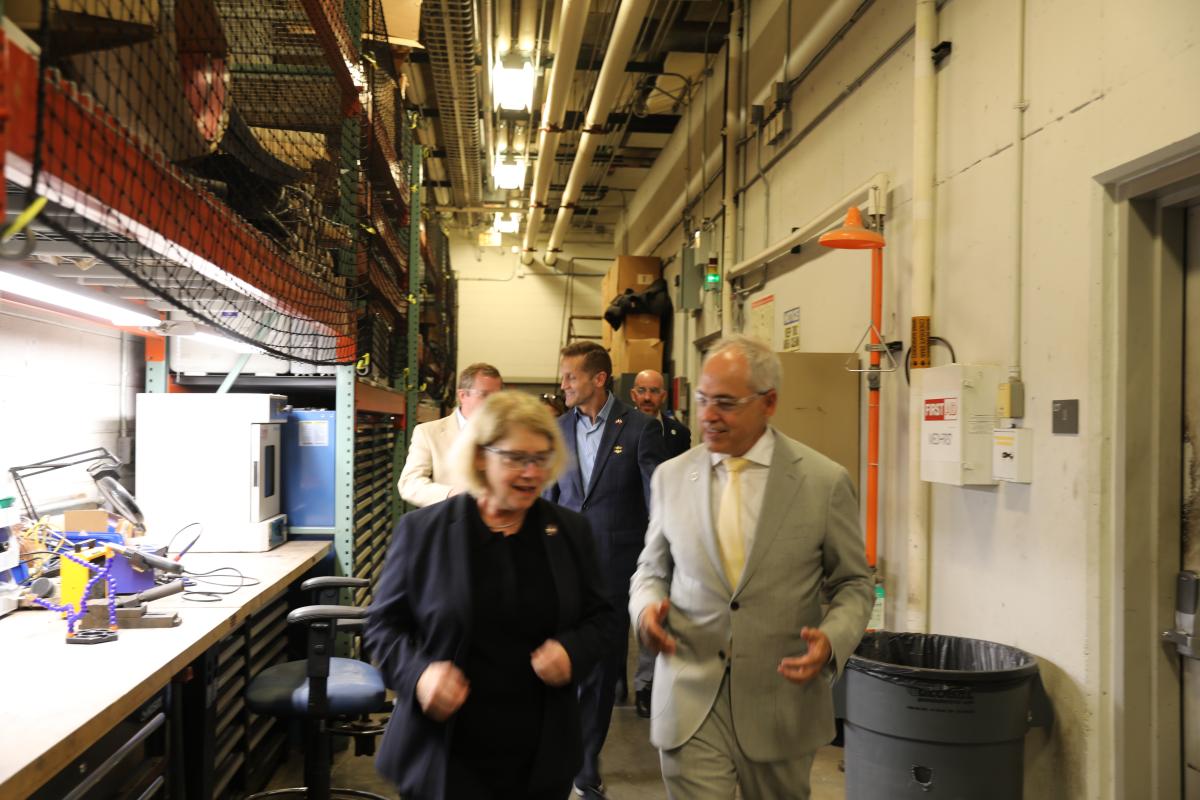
(638, 344)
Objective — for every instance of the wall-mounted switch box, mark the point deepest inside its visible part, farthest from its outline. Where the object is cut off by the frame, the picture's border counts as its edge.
(1012, 455)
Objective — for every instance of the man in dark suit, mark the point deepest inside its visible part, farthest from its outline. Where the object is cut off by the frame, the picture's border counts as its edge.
(649, 395)
(614, 451)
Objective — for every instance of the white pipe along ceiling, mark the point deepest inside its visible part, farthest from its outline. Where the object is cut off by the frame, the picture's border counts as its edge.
(612, 74)
(574, 18)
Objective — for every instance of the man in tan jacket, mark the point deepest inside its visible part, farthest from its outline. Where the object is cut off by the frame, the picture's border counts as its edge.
(426, 477)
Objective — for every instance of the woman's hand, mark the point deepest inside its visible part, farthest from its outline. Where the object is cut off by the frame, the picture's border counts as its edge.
(551, 663)
(441, 690)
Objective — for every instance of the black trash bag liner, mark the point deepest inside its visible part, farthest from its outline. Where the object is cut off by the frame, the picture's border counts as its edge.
(903, 657)
(653, 300)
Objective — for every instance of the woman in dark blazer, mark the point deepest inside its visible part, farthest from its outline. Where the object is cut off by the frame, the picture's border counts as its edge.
(488, 613)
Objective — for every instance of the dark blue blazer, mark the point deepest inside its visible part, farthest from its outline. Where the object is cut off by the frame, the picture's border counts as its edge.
(617, 500)
(677, 437)
(421, 613)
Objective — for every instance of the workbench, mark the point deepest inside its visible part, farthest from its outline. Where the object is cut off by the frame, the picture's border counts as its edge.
(59, 699)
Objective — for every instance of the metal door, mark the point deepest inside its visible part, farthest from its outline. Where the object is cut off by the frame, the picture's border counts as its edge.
(1190, 667)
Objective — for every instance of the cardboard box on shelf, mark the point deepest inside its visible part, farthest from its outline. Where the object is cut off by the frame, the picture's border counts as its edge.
(640, 326)
(630, 272)
(403, 21)
(627, 272)
(635, 355)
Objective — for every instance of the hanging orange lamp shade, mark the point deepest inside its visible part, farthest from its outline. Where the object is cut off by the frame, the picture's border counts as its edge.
(853, 235)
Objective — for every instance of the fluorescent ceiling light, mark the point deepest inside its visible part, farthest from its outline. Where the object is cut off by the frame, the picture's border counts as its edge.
(26, 283)
(508, 173)
(512, 84)
(506, 223)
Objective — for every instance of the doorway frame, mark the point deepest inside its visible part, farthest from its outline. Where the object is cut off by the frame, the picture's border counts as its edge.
(1137, 464)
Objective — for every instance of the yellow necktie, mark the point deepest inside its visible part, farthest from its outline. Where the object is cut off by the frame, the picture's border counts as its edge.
(729, 522)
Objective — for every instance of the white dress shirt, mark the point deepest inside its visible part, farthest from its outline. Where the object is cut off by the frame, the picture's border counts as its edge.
(753, 484)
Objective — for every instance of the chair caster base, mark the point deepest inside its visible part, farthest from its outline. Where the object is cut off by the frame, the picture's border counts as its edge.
(302, 791)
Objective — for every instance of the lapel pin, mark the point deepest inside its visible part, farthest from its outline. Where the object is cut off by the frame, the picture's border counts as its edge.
(618, 421)
(618, 450)
(672, 431)
(551, 530)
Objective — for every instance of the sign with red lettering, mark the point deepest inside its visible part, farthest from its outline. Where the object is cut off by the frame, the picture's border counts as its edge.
(941, 409)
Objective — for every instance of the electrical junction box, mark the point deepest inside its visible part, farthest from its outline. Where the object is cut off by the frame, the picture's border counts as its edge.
(958, 417)
(1012, 455)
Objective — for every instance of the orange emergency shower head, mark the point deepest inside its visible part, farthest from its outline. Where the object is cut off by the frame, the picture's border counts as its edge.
(853, 235)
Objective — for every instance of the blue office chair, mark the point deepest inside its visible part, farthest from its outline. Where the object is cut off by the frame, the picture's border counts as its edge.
(332, 695)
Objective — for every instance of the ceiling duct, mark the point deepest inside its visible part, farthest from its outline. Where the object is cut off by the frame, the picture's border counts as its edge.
(449, 36)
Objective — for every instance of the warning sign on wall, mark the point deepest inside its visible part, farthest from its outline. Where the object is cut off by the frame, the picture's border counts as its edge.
(791, 329)
(762, 319)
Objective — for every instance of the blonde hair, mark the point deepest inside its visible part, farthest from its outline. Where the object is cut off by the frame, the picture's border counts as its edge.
(500, 415)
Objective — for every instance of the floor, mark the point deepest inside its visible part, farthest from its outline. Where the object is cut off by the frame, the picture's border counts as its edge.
(630, 766)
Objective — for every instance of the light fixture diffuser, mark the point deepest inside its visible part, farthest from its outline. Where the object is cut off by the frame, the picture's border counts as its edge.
(28, 284)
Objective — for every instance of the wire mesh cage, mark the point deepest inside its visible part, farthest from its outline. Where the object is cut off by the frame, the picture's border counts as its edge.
(228, 156)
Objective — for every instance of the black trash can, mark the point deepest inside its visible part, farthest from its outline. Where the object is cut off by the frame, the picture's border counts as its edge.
(938, 716)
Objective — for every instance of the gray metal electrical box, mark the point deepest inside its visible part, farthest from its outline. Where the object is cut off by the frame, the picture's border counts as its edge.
(691, 281)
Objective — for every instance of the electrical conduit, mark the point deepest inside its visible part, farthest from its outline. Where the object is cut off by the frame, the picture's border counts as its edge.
(668, 161)
(924, 151)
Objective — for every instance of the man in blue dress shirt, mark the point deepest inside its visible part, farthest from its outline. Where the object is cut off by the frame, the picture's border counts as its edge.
(614, 452)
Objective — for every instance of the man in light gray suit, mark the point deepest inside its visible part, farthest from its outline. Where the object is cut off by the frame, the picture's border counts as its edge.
(427, 476)
(747, 532)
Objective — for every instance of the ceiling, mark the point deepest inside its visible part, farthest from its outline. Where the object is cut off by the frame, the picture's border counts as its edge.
(447, 82)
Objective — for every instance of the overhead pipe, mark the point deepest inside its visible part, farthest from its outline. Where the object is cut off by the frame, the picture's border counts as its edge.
(608, 84)
(924, 151)
(808, 48)
(527, 26)
(503, 28)
(566, 49)
(555, 22)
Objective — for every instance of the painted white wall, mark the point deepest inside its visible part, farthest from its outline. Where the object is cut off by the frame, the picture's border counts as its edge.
(63, 394)
(515, 316)
(1107, 83)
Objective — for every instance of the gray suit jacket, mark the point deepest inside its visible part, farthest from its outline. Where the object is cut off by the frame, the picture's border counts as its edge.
(807, 541)
(426, 477)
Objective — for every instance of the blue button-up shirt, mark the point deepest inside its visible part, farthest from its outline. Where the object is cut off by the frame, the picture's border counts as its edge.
(587, 438)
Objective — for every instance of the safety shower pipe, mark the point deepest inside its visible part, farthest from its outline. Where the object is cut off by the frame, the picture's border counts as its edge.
(805, 50)
(873, 386)
(612, 75)
(924, 150)
(566, 50)
(873, 194)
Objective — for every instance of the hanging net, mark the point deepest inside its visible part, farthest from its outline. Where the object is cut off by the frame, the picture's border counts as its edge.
(241, 160)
